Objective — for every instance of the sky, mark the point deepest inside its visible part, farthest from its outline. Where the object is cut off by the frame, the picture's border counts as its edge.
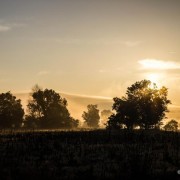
(89, 47)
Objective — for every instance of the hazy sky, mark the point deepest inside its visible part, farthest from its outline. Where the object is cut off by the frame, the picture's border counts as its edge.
(90, 47)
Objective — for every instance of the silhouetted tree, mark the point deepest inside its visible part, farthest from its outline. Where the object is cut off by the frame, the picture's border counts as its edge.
(114, 122)
(144, 105)
(48, 110)
(11, 111)
(31, 122)
(171, 125)
(91, 117)
(105, 114)
(126, 112)
(74, 123)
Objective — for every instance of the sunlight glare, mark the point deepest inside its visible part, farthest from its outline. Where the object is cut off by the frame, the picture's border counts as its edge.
(154, 78)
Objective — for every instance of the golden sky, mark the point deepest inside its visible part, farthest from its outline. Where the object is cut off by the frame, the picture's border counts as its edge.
(93, 48)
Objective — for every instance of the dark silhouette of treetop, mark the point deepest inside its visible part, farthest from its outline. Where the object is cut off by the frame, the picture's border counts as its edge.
(144, 105)
(11, 111)
(47, 109)
(91, 117)
(172, 125)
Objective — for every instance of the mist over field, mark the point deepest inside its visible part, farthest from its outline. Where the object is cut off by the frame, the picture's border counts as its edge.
(78, 103)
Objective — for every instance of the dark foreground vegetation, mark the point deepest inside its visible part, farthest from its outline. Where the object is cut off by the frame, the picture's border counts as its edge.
(100, 154)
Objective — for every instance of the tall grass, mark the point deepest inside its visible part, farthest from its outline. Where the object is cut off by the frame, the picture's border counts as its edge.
(84, 154)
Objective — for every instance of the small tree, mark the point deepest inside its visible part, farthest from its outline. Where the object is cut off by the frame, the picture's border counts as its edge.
(47, 109)
(91, 117)
(171, 125)
(11, 111)
(74, 123)
(105, 114)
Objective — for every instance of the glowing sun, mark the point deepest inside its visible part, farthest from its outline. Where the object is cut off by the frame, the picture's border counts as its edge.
(156, 78)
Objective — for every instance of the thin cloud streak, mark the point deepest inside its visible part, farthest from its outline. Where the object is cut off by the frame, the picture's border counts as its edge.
(158, 64)
(42, 73)
(4, 28)
(132, 43)
(87, 96)
(104, 41)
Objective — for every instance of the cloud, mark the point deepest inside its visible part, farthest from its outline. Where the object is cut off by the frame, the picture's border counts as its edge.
(42, 73)
(86, 96)
(4, 28)
(92, 41)
(98, 41)
(102, 71)
(172, 52)
(132, 43)
(155, 64)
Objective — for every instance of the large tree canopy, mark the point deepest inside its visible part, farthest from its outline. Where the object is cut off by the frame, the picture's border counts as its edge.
(144, 105)
(91, 117)
(11, 112)
(48, 110)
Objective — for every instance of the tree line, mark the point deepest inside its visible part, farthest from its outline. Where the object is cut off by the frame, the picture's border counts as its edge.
(144, 106)
(46, 109)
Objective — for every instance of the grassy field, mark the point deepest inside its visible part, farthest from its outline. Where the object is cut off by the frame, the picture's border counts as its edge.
(95, 154)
